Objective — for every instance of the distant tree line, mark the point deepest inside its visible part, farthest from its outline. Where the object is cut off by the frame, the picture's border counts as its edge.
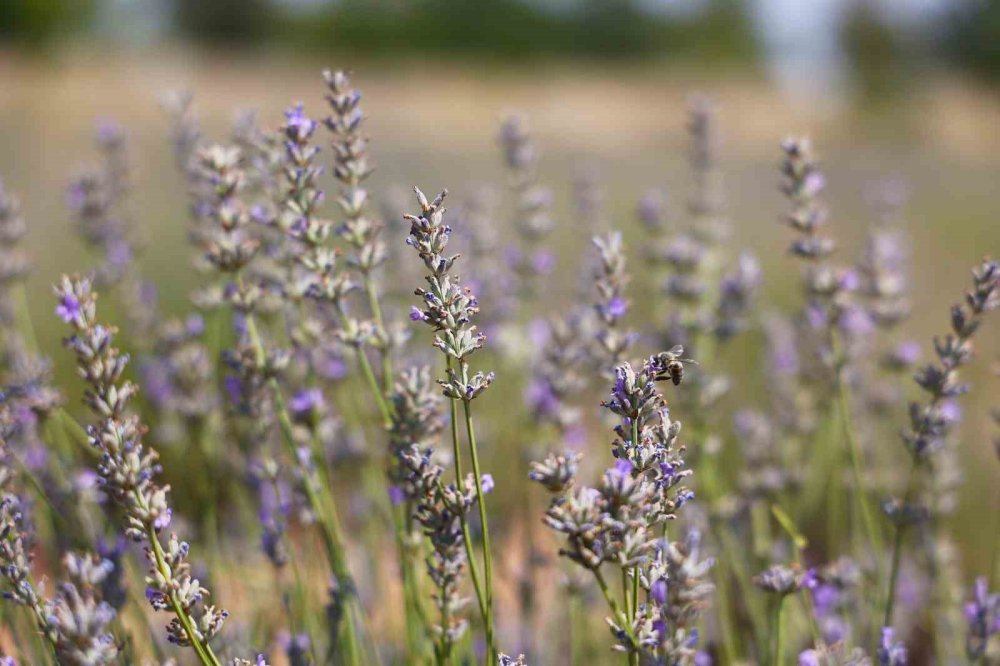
(721, 33)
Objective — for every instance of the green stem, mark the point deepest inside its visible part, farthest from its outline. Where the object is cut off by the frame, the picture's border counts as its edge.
(411, 599)
(725, 621)
(326, 512)
(627, 596)
(487, 552)
(854, 454)
(77, 431)
(369, 374)
(777, 654)
(376, 310)
(897, 549)
(619, 617)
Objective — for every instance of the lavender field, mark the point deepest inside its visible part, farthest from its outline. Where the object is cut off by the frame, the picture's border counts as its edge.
(439, 364)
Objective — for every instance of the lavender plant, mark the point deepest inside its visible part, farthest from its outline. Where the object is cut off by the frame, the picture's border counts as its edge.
(448, 309)
(930, 424)
(616, 523)
(302, 432)
(128, 471)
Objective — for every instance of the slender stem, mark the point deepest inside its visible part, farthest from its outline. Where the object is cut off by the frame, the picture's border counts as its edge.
(725, 621)
(376, 309)
(413, 611)
(366, 370)
(854, 454)
(326, 511)
(635, 592)
(463, 519)
(627, 596)
(613, 605)
(778, 653)
(487, 552)
(897, 549)
(43, 624)
(73, 427)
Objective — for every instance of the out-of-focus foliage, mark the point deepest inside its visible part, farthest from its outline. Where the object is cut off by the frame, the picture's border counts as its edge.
(514, 28)
(224, 21)
(882, 61)
(38, 22)
(972, 38)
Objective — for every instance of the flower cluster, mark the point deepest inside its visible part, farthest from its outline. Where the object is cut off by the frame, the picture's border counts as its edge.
(612, 305)
(128, 469)
(827, 287)
(707, 201)
(982, 615)
(929, 424)
(532, 205)
(557, 374)
(520, 153)
(615, 522)
(441, 510)
(677, 592)
(299, 217)
(96, 198)
(14, 264)
(448, 308)
(352, 167)
(227, 243)
(76, 620)
(416, 421)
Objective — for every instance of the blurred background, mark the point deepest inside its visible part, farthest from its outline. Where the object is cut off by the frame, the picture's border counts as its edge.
(907, 89)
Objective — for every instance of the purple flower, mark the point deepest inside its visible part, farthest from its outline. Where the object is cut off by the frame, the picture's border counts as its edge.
(538, 332)
(825, 598)
(297, 124)
(306, 402)
(816, 317)
(855, 322)
(332, 366)
(416, 314)
(396, 495)
(234, 389)
(575, 438)
(658, 592)
(660, 627)
(849, 280)
(908, 352)
(813, 184)
(163, 520)
(809, 658)
(890, 653)
(950, 411)
(543, 262)
(68, 308)
(194, 325)
(616, 308)
(539, 396)
(487, 483)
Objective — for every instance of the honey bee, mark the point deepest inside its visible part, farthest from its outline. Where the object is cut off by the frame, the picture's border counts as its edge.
(671, 365)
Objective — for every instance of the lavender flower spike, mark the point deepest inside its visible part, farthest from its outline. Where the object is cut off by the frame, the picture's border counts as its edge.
(448, 310)
(931, 423)
(128, 470)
